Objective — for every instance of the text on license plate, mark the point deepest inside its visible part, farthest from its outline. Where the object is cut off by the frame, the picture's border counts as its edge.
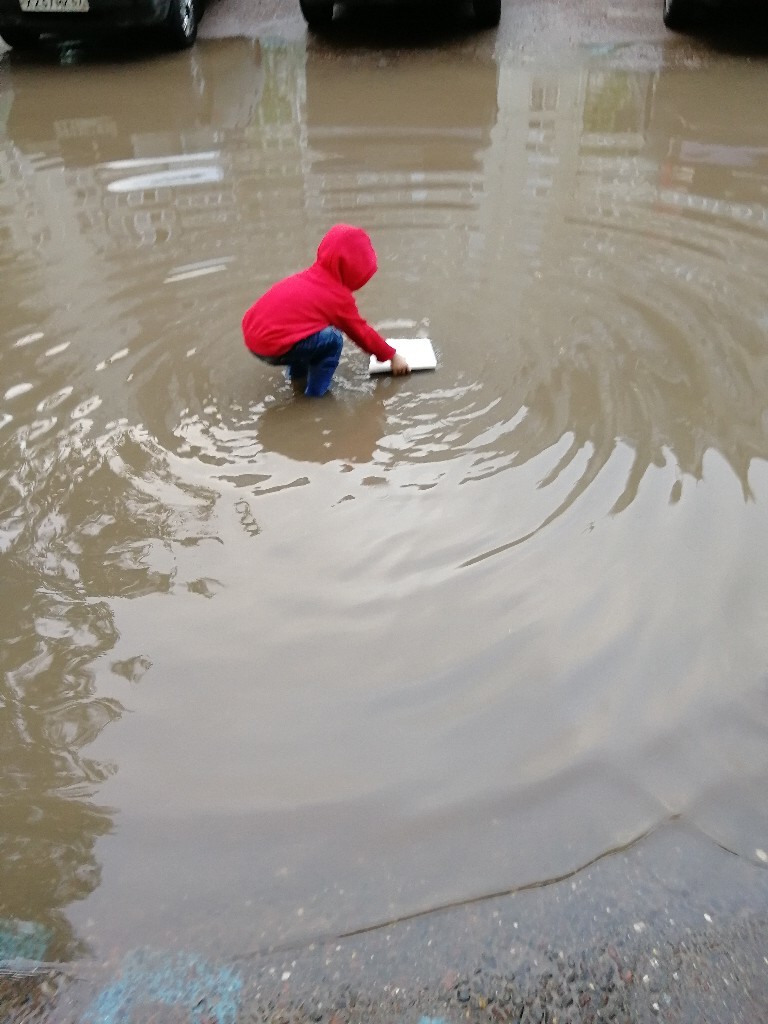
(55, 6)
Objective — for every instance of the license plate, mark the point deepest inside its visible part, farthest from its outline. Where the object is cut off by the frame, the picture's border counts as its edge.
(55, 6)
(85, 128)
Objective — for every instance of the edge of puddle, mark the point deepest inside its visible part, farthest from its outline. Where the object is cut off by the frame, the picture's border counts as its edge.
(672, 928)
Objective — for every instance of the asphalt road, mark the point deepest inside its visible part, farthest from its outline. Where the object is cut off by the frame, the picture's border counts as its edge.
(673, 929)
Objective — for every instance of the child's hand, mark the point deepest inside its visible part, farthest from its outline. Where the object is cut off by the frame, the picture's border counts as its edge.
(399, 365)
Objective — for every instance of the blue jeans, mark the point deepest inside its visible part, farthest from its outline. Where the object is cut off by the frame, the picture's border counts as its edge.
(315, 358)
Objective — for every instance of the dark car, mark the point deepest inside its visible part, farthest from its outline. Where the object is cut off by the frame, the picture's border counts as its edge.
(319, 13)
(25, 23)
(682, 15)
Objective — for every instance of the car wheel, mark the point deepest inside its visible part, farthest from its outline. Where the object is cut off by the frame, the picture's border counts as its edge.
(487, 13)
(180, 27)
(318, 14)
(20, 38)
(679, 15)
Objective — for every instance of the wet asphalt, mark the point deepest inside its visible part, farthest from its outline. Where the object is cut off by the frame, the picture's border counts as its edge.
(673, 928)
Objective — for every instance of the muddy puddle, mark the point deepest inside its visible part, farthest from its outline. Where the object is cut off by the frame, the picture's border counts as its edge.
(275, 669)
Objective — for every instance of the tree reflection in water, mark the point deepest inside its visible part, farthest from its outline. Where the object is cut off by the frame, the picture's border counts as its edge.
(79, 524)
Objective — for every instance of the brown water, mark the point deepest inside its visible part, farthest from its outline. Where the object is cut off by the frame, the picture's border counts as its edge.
(276, 669)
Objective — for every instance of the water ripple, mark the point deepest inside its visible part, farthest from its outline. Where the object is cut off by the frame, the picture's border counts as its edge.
(591, 450)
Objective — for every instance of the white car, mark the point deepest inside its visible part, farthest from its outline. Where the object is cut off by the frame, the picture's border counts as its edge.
(319, 13)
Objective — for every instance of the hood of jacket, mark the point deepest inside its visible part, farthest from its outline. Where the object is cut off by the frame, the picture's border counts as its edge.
(347, 253)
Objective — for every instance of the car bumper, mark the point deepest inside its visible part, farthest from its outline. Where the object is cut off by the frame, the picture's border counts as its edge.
(102, 16)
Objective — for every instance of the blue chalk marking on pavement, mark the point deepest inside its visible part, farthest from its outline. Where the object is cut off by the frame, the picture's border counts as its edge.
(23, 940)
(209, 993)
(432, 1020)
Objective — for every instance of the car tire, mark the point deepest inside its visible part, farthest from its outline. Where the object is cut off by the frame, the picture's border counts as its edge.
(180, 26)
(20, 38)
(318, 14)
(487, 13)
(679, 15)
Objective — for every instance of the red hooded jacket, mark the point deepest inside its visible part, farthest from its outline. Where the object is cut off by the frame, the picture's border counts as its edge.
(318, 297)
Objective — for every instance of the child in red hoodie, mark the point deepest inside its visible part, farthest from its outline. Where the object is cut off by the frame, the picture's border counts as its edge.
(298, 322)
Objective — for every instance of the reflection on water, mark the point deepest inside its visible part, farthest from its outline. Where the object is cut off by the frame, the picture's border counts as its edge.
(81, 525)
(347, 725)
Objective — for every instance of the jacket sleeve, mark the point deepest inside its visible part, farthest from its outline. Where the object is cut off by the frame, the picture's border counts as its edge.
(361, 332)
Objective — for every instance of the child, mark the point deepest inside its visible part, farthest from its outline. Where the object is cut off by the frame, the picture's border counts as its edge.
(298, 322)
